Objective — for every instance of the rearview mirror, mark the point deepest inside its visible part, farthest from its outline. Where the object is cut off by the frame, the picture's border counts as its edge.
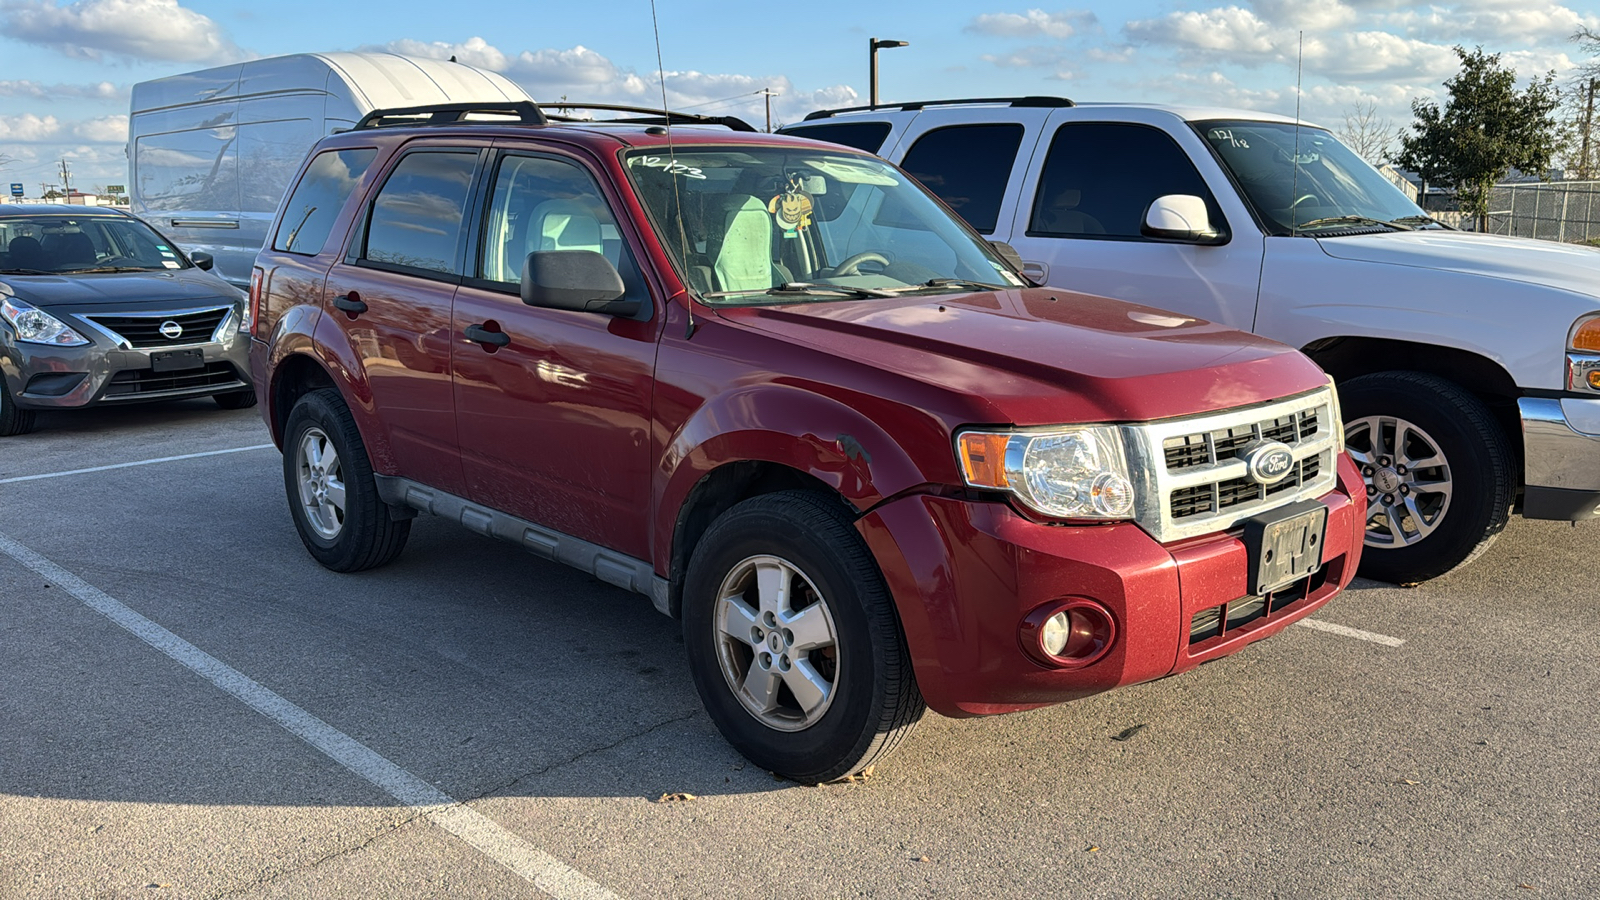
(202, 260)
(580, 280)
(1181, 217)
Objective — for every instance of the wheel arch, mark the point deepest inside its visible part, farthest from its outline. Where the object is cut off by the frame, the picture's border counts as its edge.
(1347, 357)
(295, 375)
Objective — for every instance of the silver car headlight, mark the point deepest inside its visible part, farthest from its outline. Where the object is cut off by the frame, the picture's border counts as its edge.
(35, 326)
(1078, 472)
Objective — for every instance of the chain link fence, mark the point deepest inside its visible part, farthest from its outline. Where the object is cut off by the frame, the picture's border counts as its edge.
(1567, 211)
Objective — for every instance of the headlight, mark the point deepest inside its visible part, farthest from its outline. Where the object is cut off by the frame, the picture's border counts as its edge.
(36, 326)
(1068, 473)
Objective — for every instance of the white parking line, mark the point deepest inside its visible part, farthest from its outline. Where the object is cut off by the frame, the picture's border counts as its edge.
(1356, 633)
(539, 868)
(142, 462)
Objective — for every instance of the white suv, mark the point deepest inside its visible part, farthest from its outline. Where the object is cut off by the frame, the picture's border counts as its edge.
(1468, 364)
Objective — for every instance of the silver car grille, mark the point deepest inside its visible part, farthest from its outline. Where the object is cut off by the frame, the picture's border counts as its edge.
(1194, 481)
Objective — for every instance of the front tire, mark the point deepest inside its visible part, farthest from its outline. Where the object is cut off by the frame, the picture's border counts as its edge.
(14, 419)
(1438, 470)
(333, 497)
(793, 640)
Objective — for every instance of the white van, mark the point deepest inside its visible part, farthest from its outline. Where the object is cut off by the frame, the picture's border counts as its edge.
(210, 153)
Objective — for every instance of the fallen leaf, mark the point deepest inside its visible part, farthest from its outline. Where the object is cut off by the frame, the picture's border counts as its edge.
(923, 859)
(1128, 733)
(1092, 848)
(858, 778)
(679, 797)
(1405, 781)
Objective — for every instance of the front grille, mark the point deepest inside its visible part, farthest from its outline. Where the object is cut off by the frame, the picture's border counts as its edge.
(143, 382)
(143, 330)
(1197, 482)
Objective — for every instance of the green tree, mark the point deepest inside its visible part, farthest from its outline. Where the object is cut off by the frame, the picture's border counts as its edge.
(1485, 129)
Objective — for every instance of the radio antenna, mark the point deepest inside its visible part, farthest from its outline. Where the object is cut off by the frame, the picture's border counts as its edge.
(672, 155)
(1294, 164)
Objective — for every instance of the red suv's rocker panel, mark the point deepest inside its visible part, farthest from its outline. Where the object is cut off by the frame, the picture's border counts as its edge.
(965, 575)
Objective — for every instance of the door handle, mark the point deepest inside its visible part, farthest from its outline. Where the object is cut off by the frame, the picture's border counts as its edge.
(351, 303)
(481, 335)
(1038, 272)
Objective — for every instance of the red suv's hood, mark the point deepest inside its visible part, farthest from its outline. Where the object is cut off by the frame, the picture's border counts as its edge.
(1042, 356)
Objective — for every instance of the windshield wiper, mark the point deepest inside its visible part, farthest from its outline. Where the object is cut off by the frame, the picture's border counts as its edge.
(100, 270)
(1419, 220)
(1397, 225)
(26, 272)
(963, 283)
(807, 289)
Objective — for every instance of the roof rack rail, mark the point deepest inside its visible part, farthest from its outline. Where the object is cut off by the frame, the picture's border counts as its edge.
(1034, 102)
(526, 111)
(650, 116)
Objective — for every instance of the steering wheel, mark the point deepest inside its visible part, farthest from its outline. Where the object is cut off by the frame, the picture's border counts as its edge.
(852, 265)
(1303, 198)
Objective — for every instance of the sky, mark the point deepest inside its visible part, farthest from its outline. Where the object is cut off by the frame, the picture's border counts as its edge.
(68, 67)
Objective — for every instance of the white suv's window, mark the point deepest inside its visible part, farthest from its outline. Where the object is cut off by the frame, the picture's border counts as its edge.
(867, 136)
(1100, 178)
(968, 167)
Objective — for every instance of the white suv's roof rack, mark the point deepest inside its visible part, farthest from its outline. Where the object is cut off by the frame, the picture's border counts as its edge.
(1040, 101)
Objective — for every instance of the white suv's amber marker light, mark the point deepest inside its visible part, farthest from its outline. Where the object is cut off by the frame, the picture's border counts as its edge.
(1586, 336)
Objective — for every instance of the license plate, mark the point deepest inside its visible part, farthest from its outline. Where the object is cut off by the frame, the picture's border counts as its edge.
(1285, 545)
(177, 360)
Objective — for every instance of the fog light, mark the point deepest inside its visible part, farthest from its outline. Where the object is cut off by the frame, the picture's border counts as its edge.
(1068, 634)
(1594, 379)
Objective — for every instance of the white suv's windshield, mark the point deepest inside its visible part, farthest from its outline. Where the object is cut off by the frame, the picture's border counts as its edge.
(774, 225)
(1303, 181)
(67, 244)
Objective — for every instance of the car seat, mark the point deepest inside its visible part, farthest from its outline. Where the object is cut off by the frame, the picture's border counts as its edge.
(71, 249)
(1062, 216)
(744, 260)
(25, 253)
(565, 225)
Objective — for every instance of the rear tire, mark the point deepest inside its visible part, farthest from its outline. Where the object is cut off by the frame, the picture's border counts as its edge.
(333, 497)
(793, 640)
(236, 399)
(1438, 470)
(14, 419)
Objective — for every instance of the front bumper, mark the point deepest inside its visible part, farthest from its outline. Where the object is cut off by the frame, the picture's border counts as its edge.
(111, 371)
(965, 574)
(1561, 453)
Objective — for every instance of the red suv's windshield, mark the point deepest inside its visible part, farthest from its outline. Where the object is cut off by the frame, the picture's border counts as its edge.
(772, 225)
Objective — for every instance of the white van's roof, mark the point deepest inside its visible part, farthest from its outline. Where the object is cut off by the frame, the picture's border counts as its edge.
(367, 80)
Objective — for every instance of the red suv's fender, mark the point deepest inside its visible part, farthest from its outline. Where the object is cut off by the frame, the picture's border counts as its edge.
(785, 425)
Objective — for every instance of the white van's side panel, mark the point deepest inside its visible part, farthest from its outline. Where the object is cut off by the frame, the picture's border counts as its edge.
(211, 153)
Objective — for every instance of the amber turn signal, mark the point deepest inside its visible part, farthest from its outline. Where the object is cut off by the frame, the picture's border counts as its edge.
(983, 457)
(1587, 336)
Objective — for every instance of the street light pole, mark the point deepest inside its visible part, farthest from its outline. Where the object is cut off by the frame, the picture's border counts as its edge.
(874, 45)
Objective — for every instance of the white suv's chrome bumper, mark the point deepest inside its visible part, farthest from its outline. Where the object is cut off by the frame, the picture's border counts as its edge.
(1561, 452)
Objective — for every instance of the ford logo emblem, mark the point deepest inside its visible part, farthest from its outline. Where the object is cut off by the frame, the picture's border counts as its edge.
(1268, 462)
(171, 330)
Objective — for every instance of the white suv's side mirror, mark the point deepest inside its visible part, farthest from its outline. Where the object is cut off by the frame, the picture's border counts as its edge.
(1181, 217)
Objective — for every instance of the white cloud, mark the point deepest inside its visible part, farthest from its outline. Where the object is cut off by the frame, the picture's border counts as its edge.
(28, 127)
(103, 130)
(135, 29)
(100, 90)
(1034, 23)
(1491, 21)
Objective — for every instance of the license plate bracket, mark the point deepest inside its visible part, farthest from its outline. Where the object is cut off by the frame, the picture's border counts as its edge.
(177, 360)
(1285, 545)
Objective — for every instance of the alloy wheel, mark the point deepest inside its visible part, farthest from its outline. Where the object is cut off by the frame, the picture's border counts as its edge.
(321, 483)
(777, 643)
(1409, 483)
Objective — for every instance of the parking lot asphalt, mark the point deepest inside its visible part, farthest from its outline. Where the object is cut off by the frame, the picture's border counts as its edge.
(191, 707)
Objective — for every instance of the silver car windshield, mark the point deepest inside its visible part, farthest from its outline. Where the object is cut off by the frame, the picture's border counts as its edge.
(1303, 181)
(68, 244)
(761, 225)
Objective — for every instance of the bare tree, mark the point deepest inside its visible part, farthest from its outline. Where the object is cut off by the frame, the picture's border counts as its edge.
(1370, 135)
(1580, 126)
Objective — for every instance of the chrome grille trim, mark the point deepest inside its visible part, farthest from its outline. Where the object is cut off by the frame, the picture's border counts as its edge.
(109, 323)
(1160, 472)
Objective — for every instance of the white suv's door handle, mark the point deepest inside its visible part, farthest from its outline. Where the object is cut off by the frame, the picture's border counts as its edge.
(1037, 271)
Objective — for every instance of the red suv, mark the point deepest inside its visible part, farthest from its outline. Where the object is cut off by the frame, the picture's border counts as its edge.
(779, 389)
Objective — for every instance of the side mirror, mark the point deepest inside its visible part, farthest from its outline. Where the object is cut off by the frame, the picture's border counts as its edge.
(1181, 217)
(579, 280)
(202, 260)
(1008, 253)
